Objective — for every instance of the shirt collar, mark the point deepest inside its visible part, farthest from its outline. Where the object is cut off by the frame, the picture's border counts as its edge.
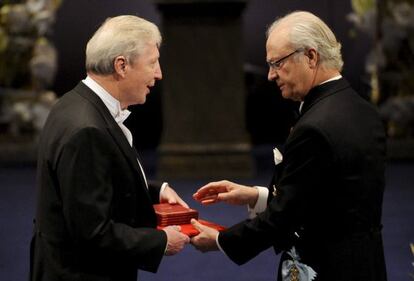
(110, 102)
(332, 79)
(326, 81)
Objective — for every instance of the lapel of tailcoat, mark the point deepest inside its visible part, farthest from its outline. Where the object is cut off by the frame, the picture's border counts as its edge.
(113, 129)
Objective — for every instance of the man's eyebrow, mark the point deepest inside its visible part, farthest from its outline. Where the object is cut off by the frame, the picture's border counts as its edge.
(272, 60)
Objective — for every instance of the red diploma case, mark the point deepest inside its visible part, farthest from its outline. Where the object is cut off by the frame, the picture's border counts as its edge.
(168, 214)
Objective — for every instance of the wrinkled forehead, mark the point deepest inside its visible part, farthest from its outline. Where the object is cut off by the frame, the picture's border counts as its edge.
(277, 43)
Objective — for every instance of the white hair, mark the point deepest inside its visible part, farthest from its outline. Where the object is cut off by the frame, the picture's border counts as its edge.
(122, 35)
(307, 31)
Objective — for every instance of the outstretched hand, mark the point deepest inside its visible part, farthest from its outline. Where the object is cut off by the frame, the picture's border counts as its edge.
(170, 196)
(175, 240)
(206, 240)
(226, 191)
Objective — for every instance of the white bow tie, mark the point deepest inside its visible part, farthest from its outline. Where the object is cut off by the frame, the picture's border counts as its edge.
(122, 116)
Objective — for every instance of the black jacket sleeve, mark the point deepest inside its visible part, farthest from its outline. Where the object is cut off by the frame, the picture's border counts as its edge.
(87, 172)
(307, 161)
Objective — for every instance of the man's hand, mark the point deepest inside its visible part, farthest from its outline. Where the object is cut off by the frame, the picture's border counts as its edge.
(175, 240)
(206, 240)
(228, 192)
(170, 196)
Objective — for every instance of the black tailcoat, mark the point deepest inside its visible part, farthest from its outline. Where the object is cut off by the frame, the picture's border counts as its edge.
(326, 196)
(95, 219)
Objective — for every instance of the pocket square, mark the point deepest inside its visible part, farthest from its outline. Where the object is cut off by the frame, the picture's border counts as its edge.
(277, 156)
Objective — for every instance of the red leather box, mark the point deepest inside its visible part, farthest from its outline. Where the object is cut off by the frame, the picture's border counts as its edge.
(191, 231)
(168, 214)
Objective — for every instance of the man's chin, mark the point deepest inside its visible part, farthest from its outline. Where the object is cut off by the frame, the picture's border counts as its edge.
(142, 101)
(142, 98)
(286, 95)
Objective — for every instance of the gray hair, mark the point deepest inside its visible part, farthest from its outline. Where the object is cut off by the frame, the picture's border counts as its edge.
(307, 31)
(122, 35)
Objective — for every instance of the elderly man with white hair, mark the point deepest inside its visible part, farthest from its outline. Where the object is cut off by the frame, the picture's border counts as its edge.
(95, 218)
(322, 208)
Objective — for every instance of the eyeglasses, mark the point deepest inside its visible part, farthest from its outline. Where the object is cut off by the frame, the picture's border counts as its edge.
(276, 65)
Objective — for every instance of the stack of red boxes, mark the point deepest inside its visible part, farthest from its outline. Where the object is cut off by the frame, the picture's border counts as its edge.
(168, 214)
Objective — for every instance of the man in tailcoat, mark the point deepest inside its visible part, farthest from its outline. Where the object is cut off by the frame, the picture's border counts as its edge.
(322, 209)
(94, 218)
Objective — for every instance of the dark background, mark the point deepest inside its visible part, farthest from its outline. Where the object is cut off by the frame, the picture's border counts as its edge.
(268, 116)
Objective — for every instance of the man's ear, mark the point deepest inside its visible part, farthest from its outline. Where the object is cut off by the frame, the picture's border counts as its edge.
(313, 58)
(120, 64)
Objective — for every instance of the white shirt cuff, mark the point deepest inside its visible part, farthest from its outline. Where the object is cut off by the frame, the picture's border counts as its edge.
(163, 186)
(261, 203)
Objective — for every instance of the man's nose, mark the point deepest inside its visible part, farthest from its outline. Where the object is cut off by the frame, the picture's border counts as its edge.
(272, 74)
(158, 72)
